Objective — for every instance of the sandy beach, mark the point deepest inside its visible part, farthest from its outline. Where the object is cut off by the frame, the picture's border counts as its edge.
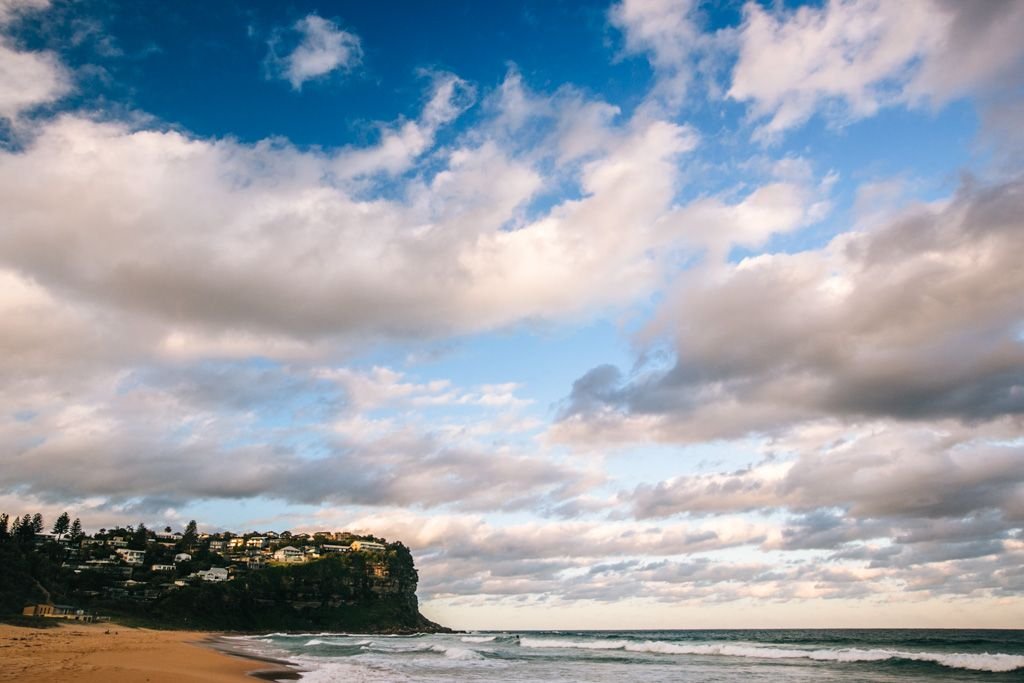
(100, 653)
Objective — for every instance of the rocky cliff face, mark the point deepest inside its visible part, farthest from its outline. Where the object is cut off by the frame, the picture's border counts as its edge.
(372, 592)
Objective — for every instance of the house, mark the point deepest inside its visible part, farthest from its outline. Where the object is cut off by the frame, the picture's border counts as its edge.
(255, 562)
(256, 542)
(368, 547)
(162, 567)
(135, 557)
(327, 548)
(57, 612)
(214, 574)
(235, 543)
(217, 546)
(289, 554)
(182, 557)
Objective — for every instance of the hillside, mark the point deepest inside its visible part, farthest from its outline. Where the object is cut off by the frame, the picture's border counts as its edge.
(221, 582)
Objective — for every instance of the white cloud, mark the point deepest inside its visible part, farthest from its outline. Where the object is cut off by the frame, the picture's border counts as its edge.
(849, 58)
(323, 48)
(27, 79)
(123, 218)
(670, 33)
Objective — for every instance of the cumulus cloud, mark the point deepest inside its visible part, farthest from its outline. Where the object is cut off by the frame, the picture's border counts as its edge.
(27, 79)
(917, 318)
(852, 57)
(323, 47)
(124, 219)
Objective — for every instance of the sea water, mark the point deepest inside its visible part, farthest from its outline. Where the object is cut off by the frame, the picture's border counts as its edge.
(653, 656)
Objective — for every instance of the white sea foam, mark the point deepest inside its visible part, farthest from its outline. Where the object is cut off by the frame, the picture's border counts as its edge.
(456, 652)
(336, 641)
(478, 639)
(976, 662)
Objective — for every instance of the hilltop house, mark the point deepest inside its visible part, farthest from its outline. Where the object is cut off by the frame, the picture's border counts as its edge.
(135, 557)
(368, 547)
(182, 557)
(214, 574)
(289, 554)
(327, 548)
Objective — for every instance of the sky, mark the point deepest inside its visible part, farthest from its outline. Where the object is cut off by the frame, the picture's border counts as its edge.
(641, 314)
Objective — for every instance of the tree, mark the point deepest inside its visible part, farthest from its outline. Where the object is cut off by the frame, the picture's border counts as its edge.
(191, 535)
(61, 526)
(37, 523)
(167, 529)
(76, 530)
(140, 537)
(24, 530)
(4, 534)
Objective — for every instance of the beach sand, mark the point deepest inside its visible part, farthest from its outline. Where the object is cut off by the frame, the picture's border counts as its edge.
(95, 653)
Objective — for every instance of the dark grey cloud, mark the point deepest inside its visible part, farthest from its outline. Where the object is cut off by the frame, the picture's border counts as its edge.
(919, 318)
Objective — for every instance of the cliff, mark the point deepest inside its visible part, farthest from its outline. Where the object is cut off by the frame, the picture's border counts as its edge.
(362, 591)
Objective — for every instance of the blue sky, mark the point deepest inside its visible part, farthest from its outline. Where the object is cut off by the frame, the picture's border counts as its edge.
(650, 313)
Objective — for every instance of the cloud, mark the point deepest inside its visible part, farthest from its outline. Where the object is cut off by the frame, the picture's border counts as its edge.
(120, 219)
(671, 34)
(169, 436)
(465, 558)
(876, 471)
(323, 48)
(915, 318)
(27, 79)
(850, 58)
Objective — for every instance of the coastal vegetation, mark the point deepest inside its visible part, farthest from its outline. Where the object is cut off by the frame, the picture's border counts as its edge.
(224, 581)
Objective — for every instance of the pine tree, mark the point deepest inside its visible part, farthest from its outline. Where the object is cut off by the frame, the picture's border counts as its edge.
(140, 537)
(4, 533)
(76, 530)
(37, 523)
(61, 526)
(191, 535)
(25, 530)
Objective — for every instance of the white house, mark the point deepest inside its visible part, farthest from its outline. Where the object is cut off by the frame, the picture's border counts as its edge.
(182, 557)
(215, 574)
(289, 554)
(367, 547)
(131, 556)
(256, 542)
(163, 567)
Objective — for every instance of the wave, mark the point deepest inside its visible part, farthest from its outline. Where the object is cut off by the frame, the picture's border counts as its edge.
(336, 641)
(478, 639)
(456, 652)
(996, 662)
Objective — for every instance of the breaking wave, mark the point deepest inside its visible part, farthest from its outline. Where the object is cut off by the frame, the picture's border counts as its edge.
(996, 663)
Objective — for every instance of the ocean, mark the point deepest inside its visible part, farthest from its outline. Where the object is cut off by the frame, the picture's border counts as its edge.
(748, 656)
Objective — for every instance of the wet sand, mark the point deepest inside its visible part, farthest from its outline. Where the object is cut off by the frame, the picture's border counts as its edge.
(101, 653)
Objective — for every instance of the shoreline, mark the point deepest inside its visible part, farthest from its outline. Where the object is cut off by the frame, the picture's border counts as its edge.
(282, 669)
(99, 653)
